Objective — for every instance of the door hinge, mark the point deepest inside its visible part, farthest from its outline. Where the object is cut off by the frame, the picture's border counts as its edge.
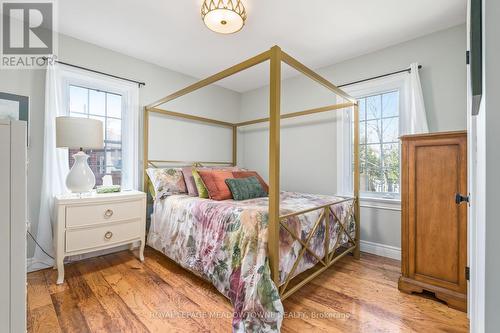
(467, 57)
(467, 273)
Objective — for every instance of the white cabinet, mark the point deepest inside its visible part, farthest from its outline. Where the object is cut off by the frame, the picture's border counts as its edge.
(13, 210)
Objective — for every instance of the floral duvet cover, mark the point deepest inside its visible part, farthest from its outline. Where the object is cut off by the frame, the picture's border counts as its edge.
(225, 242)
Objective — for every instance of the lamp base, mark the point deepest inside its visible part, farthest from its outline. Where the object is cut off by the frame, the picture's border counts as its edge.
(80, 178)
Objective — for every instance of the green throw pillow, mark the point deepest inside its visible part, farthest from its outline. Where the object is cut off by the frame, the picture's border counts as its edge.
(245, 188)
(200, 186)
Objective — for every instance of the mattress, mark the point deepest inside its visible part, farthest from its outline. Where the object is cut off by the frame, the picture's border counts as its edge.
(225, 242)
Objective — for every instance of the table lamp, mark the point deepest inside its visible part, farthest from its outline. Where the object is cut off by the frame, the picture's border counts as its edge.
(82, 133)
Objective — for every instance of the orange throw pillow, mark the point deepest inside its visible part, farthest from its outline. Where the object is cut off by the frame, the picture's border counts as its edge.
(246, 174)
(214, 180)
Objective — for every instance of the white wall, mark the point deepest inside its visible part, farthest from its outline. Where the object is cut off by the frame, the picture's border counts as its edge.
(159, 82)
(30, 83)
(308, 156)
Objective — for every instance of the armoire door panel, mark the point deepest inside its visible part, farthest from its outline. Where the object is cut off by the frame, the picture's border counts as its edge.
(434, 226)
(436, 219)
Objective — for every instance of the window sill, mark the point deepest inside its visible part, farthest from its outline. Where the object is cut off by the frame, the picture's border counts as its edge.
(381, 203)
(377, 203)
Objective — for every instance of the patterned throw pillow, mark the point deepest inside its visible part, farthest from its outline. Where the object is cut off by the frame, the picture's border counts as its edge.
(166, 181)
(202, 189)
(214, 181)
(246, 174)
(246, 188)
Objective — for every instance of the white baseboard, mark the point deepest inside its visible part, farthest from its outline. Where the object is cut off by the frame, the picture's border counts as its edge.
(34, 264)
(366, 246)
(381, 249)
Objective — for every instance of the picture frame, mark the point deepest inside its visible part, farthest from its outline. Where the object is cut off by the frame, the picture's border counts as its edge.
(15, 107)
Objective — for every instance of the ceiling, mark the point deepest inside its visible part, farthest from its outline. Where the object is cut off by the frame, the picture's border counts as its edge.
(317, 32)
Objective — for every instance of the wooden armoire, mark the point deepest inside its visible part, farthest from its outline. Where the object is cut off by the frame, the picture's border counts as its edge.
(434, 216)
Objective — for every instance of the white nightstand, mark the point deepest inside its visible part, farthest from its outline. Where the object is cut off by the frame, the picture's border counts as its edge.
(95, 222)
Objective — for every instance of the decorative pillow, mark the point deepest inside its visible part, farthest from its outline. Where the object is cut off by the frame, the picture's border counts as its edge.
(246, 188)
(214, 180)
(246, 174)
(200, 186)
(225, 168)
(190, 183)
(166, 181)
(151, 190)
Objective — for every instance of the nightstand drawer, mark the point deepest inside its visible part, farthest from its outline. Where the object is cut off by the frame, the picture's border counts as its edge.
(95, 214)
(88, 238)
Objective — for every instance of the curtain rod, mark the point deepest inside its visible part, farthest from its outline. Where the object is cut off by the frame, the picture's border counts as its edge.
(378, 77)
(99, 72)
(143, 83)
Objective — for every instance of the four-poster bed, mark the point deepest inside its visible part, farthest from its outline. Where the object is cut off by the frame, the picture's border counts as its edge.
(333, 216)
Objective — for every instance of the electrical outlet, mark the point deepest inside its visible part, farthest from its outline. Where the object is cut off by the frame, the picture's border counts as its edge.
(28, 226)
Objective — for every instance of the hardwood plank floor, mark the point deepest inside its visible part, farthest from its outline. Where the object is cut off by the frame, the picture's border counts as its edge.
(117, 293)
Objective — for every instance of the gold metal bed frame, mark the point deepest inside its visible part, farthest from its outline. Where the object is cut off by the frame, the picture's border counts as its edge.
(276, 56)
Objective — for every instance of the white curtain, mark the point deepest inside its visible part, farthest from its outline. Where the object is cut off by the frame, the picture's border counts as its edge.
(55, 167)
(414, 119)
(130, 135)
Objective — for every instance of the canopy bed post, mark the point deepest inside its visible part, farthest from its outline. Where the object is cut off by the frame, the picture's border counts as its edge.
(145, 143)
(274, 161)
(356, 180)
(235, 145)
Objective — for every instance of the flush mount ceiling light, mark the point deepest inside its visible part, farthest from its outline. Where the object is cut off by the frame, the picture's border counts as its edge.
(223, 16)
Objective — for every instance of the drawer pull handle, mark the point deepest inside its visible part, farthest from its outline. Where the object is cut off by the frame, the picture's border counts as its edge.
(108, 235)
(108, 213)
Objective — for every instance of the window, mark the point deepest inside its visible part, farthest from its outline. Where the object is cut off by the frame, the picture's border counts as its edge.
(381, 107)
(379, 148)
(106, 107)
(113, 101)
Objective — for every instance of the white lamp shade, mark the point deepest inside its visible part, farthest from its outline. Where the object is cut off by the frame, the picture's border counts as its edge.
(73, 132)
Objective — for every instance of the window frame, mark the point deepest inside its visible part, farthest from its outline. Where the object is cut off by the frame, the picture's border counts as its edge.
(345, 145)
(107, 142)
(130, 114)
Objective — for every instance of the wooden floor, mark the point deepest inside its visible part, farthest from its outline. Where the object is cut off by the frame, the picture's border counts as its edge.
(116, 293)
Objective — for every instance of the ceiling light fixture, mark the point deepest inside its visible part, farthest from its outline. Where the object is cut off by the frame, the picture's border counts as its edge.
(223, 16)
